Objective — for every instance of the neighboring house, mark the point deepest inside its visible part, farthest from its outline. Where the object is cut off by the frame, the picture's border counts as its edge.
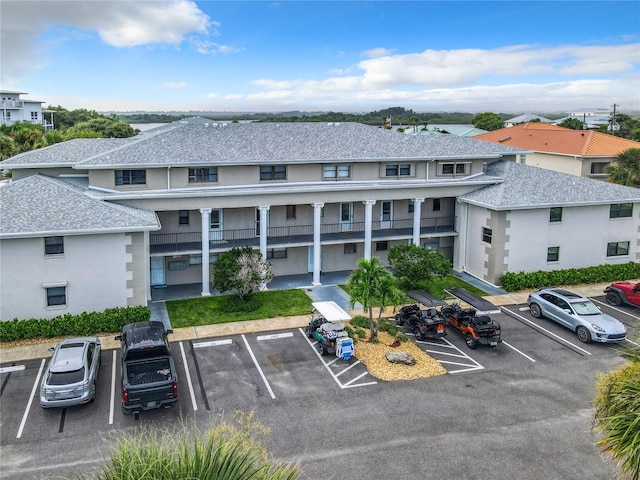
(16, 109)
(578, 152)
(526, 118)
(461, 130)
(312, 197)
(591, 118)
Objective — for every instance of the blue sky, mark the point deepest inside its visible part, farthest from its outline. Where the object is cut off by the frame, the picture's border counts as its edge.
(349, 56)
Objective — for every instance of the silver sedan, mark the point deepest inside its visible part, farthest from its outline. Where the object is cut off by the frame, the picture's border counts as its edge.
(70, 377)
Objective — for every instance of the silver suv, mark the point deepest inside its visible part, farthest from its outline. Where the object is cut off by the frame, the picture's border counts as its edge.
(576, 313)
(70, 378)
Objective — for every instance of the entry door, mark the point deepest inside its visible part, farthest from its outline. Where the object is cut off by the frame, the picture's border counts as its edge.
(311, 256)
(157, 271)
(258, 222)
(215, 230)
(386, 215)
(346, 217)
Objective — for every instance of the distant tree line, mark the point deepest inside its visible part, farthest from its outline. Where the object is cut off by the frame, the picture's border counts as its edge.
(24, 136)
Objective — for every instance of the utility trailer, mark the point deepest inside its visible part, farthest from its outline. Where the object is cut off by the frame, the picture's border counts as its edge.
(474, 323)
(423, 323)
(327, 327)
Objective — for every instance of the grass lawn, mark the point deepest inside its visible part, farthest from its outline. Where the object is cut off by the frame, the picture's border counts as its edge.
(211, 310)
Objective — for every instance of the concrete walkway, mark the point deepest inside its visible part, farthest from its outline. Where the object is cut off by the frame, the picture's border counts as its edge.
(9, 355)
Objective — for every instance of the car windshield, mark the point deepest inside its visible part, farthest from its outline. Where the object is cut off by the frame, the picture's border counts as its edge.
(585, 307)
(66, 378)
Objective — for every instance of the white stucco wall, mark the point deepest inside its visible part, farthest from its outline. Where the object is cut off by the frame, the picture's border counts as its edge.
(94, 268)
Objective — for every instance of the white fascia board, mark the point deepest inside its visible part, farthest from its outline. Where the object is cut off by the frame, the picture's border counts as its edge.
(534, 206)
(63, 233)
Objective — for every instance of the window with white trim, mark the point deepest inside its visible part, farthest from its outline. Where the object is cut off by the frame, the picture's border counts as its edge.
(553, 254)
(56, 296)
(621, 210)
(617, 249)
(273, 172)
(397, 170)
(487, 234)
(183, 217)
(276, 253)
(336, 172)
(350, 248)
(53, 245)
(131, 177)
(203, 175)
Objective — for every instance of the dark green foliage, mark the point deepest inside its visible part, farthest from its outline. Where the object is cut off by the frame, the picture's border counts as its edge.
(234, 303)
(402, 337)
(390, 328)
(413, 265)
(512, 282)
(626, 169)
(110, 320)
(105, 127)
(572, 123)
(361, 332)
(360, 321)
(241, 270)
(488, 121)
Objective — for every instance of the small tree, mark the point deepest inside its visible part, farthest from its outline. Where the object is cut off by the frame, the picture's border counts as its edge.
(626, 169)
(373, 285)
(242, 270)
(488, 121)
(572, 123)
(413, 264)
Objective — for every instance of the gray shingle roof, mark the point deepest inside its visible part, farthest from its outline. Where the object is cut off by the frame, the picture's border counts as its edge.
(42, 205)
(526, 186)
(198, 141)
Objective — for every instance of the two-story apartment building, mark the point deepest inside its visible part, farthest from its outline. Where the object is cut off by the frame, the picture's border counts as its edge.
(311, 197)
(16, 109)
(578, 152)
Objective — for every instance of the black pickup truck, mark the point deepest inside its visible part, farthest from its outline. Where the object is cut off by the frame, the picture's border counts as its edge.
(149, 377)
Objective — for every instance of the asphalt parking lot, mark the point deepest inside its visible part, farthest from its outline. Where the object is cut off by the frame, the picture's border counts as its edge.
(517, 411)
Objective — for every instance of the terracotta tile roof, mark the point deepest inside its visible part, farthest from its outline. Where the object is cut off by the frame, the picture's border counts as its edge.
(543, 137)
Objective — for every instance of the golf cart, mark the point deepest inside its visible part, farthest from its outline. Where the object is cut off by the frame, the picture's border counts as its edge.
(474, 323)
(327, 327)
(423, 323)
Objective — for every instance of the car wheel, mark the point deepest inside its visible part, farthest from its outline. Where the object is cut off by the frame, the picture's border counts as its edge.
(399, 320)
(583, 335)
(323, 349)
(93, 393)
(126, 410)
(418, 334)
(613, 298)
(472, 343)
(534, 308)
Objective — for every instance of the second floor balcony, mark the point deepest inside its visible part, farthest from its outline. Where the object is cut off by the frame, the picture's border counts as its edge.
(223, 239)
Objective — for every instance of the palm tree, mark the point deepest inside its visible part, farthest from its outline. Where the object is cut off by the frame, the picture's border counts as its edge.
(373, 285)
(626, 169)
(617, 417)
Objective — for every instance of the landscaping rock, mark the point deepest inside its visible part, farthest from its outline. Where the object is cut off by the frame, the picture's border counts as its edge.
(400, 357)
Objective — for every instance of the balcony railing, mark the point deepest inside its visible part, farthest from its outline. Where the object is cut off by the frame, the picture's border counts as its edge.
(172, 243)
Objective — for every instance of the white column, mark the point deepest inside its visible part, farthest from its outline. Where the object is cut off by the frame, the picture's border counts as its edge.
(205, 214)
(317, 248)
(264, 209)
(417, 207)
(368, 215)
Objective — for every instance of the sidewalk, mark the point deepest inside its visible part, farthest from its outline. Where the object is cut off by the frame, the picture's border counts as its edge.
(9, 355)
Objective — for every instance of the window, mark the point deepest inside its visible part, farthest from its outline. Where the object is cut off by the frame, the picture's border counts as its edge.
(183, 217)
(555, 214)
(34, 116)
(291, 212)
(597, 168)
(54, 245)
(350, 248)
(619, 210)
(436, 204)
(402, 170)
(131, 177)
(454, 168)
(410, 206)
(273, 172)
(201, 175)
(616, 249)
(276, 253)
(382, 246)
(336, 172)
(486, 234)
(178, 265)
(56, 296)
(553, 254)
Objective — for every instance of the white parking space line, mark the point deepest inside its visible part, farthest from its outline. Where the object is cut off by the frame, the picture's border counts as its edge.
(275, 336)
(518, 351)
(33, 393)
(255, 361)
(189, 383)
(213, 343)
(112, 403)
(475, 366)
(631, 341)
(558, 337)
(13, 368)
(327, 365)
(348, 368)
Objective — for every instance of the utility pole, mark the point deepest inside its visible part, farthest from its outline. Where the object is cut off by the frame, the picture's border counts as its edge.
(613, 120)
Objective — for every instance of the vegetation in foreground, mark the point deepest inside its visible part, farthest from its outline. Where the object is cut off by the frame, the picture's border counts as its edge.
(226, 451)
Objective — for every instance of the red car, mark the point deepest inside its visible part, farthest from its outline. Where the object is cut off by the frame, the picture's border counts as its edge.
(623, 292)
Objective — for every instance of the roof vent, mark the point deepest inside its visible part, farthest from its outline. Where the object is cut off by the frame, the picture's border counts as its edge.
(504, 139)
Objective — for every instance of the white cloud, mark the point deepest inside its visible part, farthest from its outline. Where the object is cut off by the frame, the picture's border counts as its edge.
(118, 23)
(176, 85)
(377, 52)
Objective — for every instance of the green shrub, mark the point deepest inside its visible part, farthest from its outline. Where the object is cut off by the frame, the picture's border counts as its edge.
(360, 321)
(390, 328)
(361, 332)
(512, 282)
(110, 320)
(401, 336)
